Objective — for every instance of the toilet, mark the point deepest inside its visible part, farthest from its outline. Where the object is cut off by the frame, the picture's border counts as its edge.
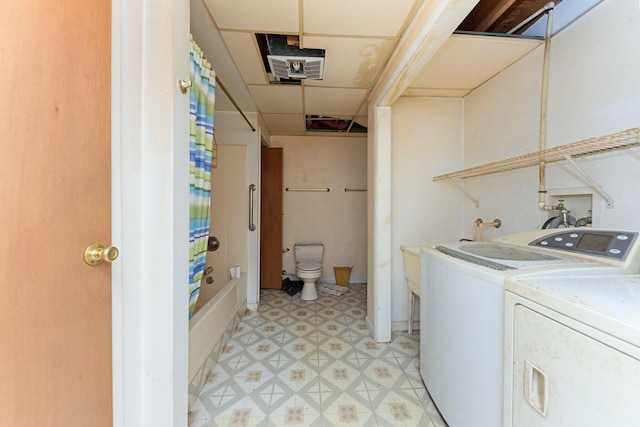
(309, 267)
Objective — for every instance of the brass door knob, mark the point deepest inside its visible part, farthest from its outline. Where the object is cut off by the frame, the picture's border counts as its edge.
(96, 253)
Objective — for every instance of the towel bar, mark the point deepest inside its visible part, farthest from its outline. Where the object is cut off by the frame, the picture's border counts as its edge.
(323, 190)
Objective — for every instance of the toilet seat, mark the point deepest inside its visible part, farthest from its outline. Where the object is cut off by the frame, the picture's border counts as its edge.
(309, 266)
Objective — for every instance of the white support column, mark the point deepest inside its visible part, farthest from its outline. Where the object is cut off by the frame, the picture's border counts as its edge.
(431, 26)
(150, 53)
(379, 201)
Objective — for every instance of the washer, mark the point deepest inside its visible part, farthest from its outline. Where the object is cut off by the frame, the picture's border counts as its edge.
(461, 342)
(572, 351)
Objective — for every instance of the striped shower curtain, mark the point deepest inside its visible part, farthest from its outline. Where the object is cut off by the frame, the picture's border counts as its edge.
(201, 106)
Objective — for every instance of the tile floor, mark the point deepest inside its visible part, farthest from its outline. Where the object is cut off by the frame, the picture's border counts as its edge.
(313, 363)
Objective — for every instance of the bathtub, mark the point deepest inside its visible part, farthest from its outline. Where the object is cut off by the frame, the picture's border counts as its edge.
(210, 329)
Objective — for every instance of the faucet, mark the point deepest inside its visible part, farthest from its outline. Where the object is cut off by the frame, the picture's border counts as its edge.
(564, 213)
(479, 225)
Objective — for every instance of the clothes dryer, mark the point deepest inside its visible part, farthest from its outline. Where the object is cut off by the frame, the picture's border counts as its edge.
(462, 307)
(572, 351)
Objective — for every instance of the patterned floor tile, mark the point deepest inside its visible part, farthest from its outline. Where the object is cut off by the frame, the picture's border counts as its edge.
(298, 375)
(199, 415)
(344, 375)
(347, 410)
(302, 312)
(336, 348)
(355, 312)
(333, 327)
(359, 328)
(411, 367)
(404, 345)
(296, 411)
(284, 338)
(397, 409)
(433, 412)
(302, 328)
(297, 302)
(366, 348)
(313, 363)
(384, 373)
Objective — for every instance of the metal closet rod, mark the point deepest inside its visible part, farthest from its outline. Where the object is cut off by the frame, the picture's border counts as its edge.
(235, 104)
(324, 190)
(543, 9)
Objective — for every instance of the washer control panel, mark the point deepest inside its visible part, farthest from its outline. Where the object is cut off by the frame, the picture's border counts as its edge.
(603, 243)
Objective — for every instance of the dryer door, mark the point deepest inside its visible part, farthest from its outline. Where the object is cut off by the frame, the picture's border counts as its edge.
(565, 377)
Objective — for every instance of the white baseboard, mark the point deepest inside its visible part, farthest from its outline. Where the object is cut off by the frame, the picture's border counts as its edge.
(402, 325)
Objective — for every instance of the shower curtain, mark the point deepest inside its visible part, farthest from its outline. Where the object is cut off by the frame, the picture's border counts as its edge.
(201, 107)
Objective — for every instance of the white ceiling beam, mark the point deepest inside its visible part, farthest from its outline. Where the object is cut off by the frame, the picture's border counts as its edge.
(434, 22)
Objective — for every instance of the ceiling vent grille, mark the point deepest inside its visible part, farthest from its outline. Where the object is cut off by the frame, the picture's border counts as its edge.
(296, 67)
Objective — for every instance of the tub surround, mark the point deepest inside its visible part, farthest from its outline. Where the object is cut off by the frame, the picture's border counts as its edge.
(210, 330)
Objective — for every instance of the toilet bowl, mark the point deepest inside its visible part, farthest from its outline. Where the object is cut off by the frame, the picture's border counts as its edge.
(309, 268)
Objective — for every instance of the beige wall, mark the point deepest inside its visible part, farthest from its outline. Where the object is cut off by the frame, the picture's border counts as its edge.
(426, 137)
(594, 90)
(338, 219)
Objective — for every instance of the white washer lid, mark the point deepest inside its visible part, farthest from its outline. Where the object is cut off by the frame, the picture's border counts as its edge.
(309, 266)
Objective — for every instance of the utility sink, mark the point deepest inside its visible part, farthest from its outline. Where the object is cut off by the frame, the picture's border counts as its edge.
(412, 265)
(411, 256)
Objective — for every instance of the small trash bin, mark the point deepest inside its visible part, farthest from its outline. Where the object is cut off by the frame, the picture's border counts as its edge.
(342, 275)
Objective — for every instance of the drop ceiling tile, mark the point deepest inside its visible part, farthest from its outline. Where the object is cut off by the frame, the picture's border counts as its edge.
(209, 40)
(362, 120)
(264, 16)
(333, 101)
(277, 98)
(285, 123)
(350, 62)
(245, 54)
(359, 17)
(465, 62)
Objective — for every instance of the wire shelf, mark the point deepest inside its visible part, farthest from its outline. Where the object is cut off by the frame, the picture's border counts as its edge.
(616, 141)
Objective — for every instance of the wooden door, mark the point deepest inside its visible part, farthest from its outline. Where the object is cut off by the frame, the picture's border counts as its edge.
(271, 219)
(55, 200)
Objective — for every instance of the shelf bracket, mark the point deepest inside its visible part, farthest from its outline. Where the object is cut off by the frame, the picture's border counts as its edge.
(634, 153)
(594, 185)
(466, 193)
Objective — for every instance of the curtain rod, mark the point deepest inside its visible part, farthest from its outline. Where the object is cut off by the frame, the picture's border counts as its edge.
(235, 104)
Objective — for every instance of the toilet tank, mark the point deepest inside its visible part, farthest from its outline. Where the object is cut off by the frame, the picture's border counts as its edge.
(308, 252)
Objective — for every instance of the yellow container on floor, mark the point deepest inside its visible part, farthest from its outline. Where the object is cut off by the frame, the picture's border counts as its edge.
(342, 275)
